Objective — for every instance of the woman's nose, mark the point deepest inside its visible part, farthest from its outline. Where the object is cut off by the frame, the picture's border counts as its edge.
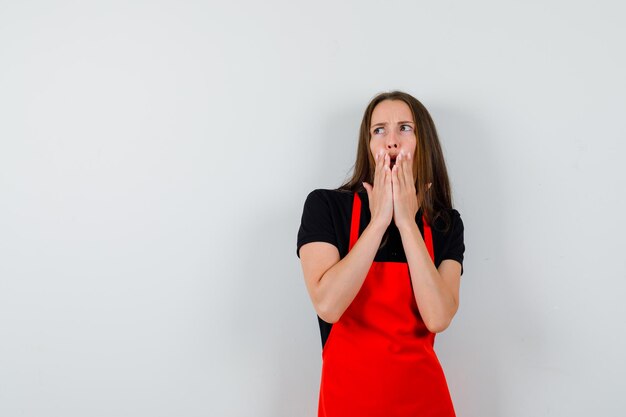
(392, 142)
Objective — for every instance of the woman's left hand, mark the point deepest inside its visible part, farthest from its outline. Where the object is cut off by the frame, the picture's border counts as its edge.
(405, 202)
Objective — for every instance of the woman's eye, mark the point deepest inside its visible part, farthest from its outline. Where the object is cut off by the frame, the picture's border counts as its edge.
(375, 131)
(409, 127)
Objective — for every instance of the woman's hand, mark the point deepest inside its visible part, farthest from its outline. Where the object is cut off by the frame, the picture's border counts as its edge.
(380, 195)
(405, 201)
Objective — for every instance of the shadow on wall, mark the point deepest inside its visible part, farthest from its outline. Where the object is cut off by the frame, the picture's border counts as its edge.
(273, 321)
(280, 344)
(494, 311)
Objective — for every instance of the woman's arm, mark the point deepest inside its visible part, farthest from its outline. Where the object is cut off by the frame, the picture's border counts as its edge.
(332, 283)
(436, 291)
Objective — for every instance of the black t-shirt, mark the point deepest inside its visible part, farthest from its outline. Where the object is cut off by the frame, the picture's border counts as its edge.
(326, 218)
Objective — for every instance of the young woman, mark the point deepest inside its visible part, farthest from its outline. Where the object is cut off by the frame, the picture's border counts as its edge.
(382, 260)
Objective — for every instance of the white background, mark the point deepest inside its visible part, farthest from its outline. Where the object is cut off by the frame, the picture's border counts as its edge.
(154, 161)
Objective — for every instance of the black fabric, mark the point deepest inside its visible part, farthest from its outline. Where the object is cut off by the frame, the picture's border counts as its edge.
(327, 215)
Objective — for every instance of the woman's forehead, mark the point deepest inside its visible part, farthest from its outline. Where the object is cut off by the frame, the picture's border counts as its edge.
(391, 110)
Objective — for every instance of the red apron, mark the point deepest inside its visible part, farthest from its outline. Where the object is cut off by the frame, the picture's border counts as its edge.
(378, 360)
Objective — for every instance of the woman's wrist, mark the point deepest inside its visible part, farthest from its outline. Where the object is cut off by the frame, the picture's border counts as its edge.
(408, 227)
(377, 227)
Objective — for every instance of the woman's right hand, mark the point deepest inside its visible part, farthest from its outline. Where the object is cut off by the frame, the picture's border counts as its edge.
(380, 195)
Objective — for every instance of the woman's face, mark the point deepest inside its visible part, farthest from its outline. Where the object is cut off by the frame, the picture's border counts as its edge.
(392, 130)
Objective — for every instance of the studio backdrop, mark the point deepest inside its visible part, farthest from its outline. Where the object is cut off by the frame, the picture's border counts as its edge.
(154, 162)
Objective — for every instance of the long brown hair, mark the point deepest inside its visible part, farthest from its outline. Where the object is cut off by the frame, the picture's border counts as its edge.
(428, 162)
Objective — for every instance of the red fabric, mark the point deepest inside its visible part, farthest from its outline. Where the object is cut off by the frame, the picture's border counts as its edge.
(378, 360)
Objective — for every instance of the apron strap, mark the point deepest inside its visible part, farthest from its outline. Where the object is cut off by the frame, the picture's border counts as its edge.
(428, 238)
(356, 220)
(356, 223)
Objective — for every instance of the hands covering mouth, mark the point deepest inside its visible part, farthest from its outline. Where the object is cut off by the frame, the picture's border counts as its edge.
(393, 196)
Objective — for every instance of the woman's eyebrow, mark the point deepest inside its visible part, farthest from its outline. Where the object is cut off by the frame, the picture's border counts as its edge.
(385, 123)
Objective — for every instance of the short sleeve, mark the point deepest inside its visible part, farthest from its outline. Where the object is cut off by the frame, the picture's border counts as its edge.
(454, 247)
(317, 222)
